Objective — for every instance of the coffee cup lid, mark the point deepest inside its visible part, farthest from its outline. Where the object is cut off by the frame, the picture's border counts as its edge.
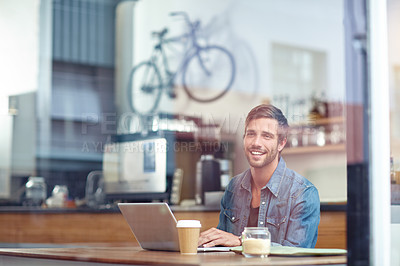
(188, 223)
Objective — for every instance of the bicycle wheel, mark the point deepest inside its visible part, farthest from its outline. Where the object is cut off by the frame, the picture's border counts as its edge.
(144, 88)
(208, 74)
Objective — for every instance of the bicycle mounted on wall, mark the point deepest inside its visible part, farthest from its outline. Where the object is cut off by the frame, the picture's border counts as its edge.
(207, 71)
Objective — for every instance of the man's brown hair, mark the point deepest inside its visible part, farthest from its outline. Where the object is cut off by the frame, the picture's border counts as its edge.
(269, 111)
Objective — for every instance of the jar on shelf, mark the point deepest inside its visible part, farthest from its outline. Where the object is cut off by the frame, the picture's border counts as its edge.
(256, 242)
(36, 191)
(293, 138)
(306, 136)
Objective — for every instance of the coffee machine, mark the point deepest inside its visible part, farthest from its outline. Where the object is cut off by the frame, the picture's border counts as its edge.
(208, 177)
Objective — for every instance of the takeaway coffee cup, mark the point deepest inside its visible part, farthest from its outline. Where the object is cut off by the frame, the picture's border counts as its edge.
(188, 231)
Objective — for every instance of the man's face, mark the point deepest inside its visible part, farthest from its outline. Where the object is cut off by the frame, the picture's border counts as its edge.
(261, 145)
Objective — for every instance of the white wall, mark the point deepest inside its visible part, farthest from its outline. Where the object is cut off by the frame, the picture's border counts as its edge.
(19, 29)
(19, 59)
(236, 24)
(393, 13)
(326, 170)
(247, 28)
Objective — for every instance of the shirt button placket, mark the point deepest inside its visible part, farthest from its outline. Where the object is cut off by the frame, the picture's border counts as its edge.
(261, 223)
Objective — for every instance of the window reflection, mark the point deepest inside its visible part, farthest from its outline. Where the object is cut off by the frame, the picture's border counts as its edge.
(95, 44)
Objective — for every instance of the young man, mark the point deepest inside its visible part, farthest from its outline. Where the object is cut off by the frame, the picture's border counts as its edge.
(268, 194)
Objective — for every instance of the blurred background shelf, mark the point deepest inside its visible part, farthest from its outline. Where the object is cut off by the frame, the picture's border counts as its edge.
(320, 121)
(314, 149)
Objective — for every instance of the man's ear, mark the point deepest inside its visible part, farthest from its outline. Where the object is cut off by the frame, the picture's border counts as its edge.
(282, 144)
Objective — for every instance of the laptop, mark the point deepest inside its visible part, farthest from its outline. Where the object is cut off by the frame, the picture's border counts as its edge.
(154, 226)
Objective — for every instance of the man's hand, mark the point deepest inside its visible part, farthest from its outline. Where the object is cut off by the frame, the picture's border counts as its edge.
(213, 237)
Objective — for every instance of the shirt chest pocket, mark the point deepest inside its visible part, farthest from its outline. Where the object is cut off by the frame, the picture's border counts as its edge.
(277, 228)
(276, 221)
(231, 215)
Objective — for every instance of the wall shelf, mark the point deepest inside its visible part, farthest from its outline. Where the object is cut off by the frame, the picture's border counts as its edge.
(320, 121)
(314, 149)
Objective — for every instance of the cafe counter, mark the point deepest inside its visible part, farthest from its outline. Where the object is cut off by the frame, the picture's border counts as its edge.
(23, 225)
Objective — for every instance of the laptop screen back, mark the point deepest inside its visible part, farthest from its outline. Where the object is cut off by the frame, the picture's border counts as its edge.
(153, 225)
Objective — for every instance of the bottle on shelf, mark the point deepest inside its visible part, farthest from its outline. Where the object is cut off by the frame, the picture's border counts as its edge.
(335, 135)
(392, 172)
(321, 138)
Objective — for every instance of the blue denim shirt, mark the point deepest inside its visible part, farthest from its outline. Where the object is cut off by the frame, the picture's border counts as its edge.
(289, 207)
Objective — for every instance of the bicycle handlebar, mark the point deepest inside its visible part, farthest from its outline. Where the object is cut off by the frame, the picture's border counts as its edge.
(160, 34)
(183, 14)
(178, 13)
(193, 25)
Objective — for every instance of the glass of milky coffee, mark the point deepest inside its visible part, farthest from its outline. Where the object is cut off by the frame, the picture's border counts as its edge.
(256, 242)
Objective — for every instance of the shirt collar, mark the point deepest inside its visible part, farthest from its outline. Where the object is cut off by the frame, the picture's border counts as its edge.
(274, 183)
(276, 179)
(246, 182)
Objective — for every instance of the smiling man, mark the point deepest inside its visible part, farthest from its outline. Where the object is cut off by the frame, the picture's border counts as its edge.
(268, 194)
